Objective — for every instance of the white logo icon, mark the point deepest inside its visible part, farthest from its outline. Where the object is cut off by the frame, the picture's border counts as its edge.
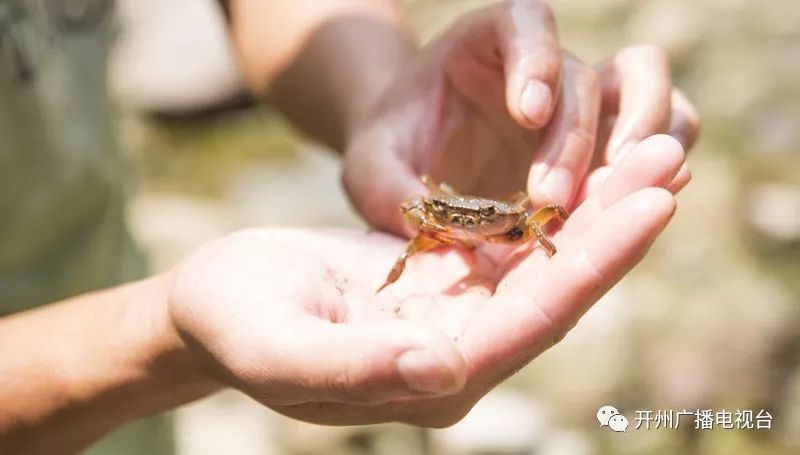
(605, 413)
(609, 416)
(618, 423)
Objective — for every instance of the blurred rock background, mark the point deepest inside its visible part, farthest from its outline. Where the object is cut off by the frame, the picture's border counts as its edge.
(709, 320)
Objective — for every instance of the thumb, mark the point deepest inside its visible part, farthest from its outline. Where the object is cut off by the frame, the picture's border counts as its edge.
(319, 361)
(378, 181)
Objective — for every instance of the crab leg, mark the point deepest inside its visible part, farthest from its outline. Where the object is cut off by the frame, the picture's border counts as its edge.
(543, 240)
(542, 217)
(419, 244)
(440, 188)
(548, 212)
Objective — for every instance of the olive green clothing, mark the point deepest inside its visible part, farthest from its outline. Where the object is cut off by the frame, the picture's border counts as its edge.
(62, 178)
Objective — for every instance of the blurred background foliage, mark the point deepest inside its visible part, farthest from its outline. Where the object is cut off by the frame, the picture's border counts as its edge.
(708, 321)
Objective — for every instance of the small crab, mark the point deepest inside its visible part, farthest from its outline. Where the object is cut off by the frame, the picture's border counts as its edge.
(445, 217)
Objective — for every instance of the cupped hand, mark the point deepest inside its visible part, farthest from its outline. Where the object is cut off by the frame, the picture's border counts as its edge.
(495, 106)
(291, 317)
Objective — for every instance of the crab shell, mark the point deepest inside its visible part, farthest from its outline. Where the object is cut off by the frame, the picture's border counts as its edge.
(466, 217)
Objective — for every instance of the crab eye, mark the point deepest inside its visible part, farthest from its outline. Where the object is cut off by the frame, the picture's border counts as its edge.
(488, 211)
(455, 218)
(437, 205)
(470, 222)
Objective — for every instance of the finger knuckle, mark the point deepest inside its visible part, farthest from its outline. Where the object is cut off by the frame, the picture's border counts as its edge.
(547, 321)
(592, 275)
(581, 138)
(591, 79)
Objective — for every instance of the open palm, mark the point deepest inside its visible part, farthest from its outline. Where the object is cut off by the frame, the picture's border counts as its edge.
(291, 316)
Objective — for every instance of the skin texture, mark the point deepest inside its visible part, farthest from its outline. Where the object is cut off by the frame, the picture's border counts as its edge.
(326, 62)
(455, 113)
(290, 316)
(493, 106)
(242, 303)
(107, 358)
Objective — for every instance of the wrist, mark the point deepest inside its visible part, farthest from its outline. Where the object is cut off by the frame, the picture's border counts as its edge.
(167, 366)
(75, 370)
(364, 88)
(135, 366)
(138, 365)
(330, 85)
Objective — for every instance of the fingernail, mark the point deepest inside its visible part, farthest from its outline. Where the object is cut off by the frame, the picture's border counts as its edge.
(622, 151)
(535, 103)
(424, 372)
(558, 185)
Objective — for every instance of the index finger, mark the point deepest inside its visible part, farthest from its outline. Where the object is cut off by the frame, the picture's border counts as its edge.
(531, 53)
(568, 140)
(534, 313)
(542, 298)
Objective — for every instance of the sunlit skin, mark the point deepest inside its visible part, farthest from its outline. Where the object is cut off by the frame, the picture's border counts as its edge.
(456, 112)
(242, 305)
(491, 106)
(290, 316)
(444, 217)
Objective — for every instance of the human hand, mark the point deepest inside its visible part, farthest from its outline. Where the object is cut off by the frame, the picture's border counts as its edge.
(494, 106)
(291, 316)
